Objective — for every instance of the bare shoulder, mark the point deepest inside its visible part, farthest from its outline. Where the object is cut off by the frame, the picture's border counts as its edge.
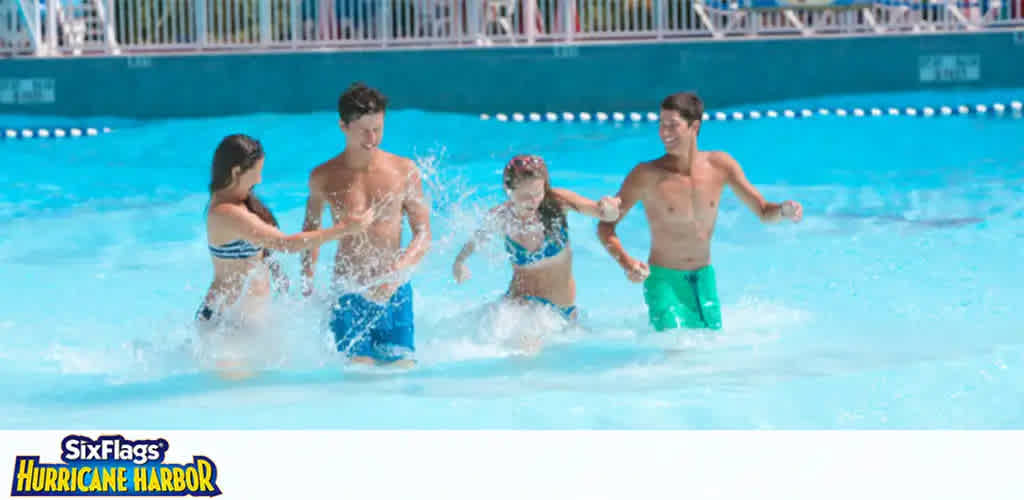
(644, 173)
(720, 160)
(497, 217)
(223, 212)
(567, 200)
(723, 163)
(226, 209)
(323, 171)
(400, 165)
(396, 161)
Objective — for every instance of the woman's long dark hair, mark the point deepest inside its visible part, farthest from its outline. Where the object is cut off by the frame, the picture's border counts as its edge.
(524, 167)
(244, 152)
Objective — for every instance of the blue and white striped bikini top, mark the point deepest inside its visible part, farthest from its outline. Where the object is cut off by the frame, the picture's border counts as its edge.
(238, 249)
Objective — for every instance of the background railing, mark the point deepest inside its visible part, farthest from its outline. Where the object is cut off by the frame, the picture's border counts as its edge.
(72, 27)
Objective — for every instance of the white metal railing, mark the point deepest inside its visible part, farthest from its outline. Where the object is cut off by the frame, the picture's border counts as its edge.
(19, 26)
(723, 18)
(70, 27)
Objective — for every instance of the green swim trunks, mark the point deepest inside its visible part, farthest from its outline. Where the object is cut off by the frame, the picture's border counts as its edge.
(682, 299)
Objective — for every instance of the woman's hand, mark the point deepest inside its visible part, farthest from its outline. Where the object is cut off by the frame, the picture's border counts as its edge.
(608, 208)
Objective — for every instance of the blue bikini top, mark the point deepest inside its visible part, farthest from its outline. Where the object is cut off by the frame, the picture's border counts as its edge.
(238, 249)
(520, 256)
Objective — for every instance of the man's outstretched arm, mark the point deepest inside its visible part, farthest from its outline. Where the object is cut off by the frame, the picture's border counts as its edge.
(767, 211)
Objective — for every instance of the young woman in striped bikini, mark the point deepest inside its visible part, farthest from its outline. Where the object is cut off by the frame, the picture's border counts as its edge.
(241, 232)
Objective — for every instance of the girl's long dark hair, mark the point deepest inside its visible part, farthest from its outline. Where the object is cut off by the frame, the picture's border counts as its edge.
(242, 151)
(523, 167)
(245, 152)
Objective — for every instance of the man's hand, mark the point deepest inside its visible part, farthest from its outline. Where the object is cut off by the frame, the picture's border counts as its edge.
(307, 286)
(792, 210)
(608, 208)
(382, 293)
(637, 271)
(460, 272)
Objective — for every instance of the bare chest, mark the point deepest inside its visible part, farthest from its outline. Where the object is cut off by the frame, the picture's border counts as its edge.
(685, 198)
(359, 191)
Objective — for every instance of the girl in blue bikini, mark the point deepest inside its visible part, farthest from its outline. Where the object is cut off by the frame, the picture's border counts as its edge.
(534, 224)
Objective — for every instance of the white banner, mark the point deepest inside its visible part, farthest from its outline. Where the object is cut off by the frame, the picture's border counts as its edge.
(518, 465)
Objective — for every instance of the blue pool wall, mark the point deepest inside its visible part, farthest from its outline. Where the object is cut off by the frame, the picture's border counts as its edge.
(613, 77)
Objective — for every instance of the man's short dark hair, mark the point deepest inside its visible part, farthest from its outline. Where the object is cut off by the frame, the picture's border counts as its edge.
(687, 104)
(359, 100)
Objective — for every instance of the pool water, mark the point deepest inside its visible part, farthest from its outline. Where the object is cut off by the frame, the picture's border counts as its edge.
(894, 304)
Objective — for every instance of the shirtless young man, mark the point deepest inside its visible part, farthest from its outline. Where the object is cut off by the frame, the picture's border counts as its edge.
(681, 192)
(374, 323)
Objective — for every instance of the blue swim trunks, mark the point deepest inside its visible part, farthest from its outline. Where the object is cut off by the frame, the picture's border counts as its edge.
(365, 328)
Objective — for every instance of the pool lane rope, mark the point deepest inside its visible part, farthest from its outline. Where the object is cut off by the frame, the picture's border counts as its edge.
(52, 132)
(1015, 108)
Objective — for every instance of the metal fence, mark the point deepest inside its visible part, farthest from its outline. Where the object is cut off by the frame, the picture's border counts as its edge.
(72, 27)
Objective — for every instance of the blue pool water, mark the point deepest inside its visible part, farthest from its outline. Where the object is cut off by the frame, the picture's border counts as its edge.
(894, 304)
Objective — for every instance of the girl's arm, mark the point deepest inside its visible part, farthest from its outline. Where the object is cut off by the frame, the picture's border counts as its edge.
(249, 226)
(490, 226)
(605, 209)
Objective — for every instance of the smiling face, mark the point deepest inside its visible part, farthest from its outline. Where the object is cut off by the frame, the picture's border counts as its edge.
(366, 132)
(526, 182)
(527, 195)
(675, 133)
(680, 121)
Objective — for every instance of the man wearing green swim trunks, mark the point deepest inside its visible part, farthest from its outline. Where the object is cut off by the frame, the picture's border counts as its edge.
(680, 192)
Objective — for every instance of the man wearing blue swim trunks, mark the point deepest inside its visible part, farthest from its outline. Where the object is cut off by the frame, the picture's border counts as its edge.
(372, 321)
